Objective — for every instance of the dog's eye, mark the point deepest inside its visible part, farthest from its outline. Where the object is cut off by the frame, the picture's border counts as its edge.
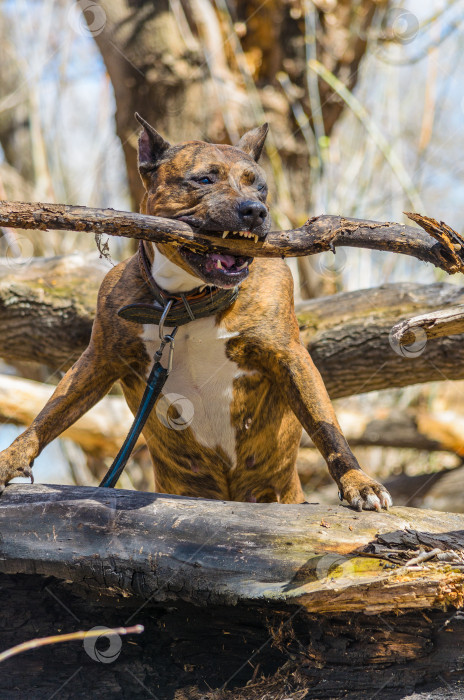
(205, 180)
(261, 187)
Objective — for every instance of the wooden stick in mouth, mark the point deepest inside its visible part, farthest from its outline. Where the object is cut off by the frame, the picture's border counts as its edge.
(436, 243)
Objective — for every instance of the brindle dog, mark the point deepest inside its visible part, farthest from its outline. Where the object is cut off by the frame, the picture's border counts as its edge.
(250, 382)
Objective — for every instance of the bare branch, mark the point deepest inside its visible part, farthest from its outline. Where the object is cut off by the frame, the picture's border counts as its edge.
(318, 234)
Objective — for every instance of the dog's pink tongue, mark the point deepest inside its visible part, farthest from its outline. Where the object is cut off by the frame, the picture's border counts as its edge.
(226, 260)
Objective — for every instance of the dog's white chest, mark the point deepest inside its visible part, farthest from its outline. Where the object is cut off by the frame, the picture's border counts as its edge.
(202, 376)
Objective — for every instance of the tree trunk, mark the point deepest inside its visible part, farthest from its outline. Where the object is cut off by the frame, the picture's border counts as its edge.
(204, 70)
(205, 550)
(322, 598)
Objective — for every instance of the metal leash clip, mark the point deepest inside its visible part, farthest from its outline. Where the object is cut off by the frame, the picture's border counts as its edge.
(166, 338)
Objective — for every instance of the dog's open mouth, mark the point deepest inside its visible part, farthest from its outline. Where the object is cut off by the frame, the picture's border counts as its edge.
(219, 269)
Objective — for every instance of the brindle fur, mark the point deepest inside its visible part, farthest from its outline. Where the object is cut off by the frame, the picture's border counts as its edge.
(278, 389)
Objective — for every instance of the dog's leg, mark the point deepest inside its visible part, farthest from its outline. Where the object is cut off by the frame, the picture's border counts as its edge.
(90, 378)
(310, 402)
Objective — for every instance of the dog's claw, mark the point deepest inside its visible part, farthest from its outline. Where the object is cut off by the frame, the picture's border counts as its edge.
(363, 493)
(12, 465)
(357, 504)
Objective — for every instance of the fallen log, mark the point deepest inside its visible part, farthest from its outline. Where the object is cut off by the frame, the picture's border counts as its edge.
(162, 547)
(419, 430)
(103, 428)
(318, 234)
(320, 597)
(349, 337)
(100, 432)
(47, 308)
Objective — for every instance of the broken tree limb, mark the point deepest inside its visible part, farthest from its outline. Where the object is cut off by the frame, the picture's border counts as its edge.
(167, 548)
(100, 432)
(318, 234)
(47, 308)
(349, 338)
(436, 324)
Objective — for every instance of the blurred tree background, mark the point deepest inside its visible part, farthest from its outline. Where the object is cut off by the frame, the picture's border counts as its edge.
(365, 103)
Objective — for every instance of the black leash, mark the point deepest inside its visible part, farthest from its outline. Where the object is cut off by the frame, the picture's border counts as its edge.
(155, 383)
(173, 311)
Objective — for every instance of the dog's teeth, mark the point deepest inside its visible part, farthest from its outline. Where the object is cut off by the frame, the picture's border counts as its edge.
(242, 234)
(225, 234)
(245, 264)
(256, 238)
(219, 265)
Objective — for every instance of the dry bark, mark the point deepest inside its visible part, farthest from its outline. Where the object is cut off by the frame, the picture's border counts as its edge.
(47, 309)
(433, 325)
(318, 234)
(168, 548)
(349, 338)
(319, 599)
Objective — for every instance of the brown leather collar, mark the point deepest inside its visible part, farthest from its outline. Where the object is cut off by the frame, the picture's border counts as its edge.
(185, 308)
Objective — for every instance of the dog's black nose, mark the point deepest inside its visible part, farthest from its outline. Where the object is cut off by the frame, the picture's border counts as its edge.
(252, 213)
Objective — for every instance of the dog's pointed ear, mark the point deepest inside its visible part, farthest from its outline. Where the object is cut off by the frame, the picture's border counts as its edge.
(151, 145)
(253, 141)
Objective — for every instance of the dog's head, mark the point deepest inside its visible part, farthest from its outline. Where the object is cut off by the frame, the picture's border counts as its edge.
(214, 188)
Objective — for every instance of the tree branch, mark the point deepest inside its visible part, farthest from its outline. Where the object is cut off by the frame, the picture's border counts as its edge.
(319, 234)
(432, 325)
(47, 309)
(240, 565)
(350, 340)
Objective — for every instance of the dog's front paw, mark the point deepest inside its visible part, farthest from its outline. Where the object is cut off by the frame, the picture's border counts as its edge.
(362, 492)
(12, 464)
